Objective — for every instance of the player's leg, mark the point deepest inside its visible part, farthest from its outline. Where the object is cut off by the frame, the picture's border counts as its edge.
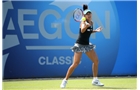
(76, 61)
(92, 55)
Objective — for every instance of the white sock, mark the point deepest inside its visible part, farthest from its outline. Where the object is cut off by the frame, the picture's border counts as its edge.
(95, 78)
(65, 79)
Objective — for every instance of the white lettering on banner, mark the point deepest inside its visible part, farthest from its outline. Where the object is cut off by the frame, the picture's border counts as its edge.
(68, 60)
(55, 61)
(67, 26)
(47, 61)
(58, 25)
(41, 60)
(106, 31)
(22, 22)
(58, 33)
(61, 60)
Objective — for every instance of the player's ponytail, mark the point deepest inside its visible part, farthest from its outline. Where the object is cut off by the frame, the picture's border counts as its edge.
(85, 7)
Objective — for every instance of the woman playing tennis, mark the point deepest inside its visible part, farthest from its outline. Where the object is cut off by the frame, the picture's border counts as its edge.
(83, 45)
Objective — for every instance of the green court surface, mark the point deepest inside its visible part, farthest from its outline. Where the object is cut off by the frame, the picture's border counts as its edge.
(111, 83)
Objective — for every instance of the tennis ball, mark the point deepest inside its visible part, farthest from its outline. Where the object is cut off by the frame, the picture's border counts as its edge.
(83, 19)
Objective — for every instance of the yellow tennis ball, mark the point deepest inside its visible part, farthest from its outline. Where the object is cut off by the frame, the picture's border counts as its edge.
(83, 19)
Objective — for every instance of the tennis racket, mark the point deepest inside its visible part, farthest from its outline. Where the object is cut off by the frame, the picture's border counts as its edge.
(78, 15)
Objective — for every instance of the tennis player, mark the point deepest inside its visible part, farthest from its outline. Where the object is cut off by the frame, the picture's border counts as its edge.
(83, 45)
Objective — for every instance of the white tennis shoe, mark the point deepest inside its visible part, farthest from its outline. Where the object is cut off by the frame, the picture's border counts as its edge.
(63, 84)
(97, 83)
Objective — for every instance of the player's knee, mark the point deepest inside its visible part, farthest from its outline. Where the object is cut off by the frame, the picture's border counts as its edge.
(96, 62)
(75, 65)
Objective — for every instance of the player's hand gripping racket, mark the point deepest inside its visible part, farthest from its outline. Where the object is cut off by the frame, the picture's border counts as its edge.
(78, 15)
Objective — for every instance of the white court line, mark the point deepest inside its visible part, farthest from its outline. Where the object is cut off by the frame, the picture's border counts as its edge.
(47, 47)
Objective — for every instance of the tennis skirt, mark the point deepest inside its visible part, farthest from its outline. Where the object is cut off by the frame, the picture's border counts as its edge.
(82, 48)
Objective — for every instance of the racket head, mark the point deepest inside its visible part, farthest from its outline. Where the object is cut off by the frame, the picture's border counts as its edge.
(78, 14)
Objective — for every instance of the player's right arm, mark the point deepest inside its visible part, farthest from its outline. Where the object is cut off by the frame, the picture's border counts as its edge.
(84, 25)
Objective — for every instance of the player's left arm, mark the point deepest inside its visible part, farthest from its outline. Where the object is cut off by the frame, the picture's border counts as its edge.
(99, 29)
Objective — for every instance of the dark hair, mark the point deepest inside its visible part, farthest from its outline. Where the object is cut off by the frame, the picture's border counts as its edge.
(85, 7)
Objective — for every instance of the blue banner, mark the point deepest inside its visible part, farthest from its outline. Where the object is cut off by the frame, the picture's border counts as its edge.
(38, 35)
